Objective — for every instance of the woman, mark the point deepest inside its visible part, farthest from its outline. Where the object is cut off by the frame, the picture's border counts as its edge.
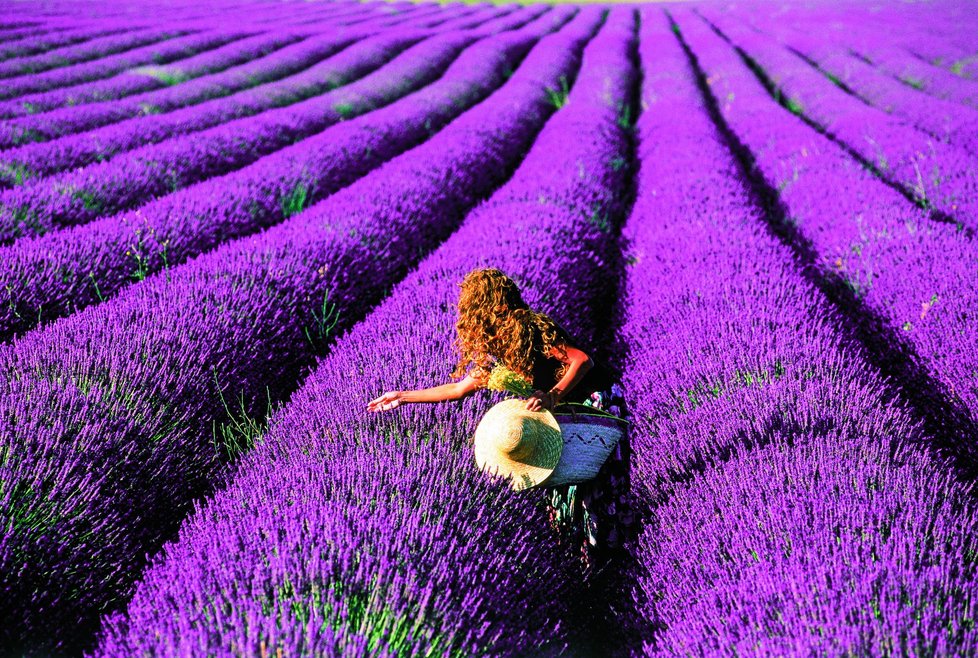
(495, 325)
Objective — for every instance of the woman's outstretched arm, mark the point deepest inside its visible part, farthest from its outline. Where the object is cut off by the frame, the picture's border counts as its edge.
(450, 391)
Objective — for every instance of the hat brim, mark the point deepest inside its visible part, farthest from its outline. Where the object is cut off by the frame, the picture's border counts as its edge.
(517, 443)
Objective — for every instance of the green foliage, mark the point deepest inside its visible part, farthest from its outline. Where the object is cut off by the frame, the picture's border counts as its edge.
(26, 135)
(558, 97)
(166, 75)
(89, 200)
(624, 119)
(15, 173)
(295, 201)
(240, 431)
(324, 321)
(835, 79)
(794, 106)
(916, 83)
(600, 220)
(26, 217)
(701, 392)
(98, 293)
(32, 512)
(344, 109)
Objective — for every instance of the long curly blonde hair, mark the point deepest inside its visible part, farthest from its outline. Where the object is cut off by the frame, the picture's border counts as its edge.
(495, 323)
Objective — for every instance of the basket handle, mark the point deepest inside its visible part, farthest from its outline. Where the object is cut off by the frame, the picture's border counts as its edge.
(591, 411)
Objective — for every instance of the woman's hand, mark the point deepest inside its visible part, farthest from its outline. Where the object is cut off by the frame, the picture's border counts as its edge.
(386, 402)
(540, 401)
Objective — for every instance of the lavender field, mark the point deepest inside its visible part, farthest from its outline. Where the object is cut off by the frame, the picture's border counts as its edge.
(226, 226)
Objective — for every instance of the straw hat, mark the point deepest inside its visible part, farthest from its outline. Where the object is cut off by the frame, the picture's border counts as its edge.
(516, 442)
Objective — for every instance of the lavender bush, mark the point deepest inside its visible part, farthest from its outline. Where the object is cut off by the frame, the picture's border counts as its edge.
(497, 582)
(42, 277)
(234, 329)
(872, 249)
(225, 226)
(791, 494)
(104, 188)
(934, 174)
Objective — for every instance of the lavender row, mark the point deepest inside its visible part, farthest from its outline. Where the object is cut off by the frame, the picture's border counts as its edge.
(945, 30)
(128, 82)
(99, 48)
(211, 14)
(944, 38)
(145, 78)
(788, 497)
(103, 188)
(910, 70)
(275, 69)
(875, 45)
(160, 53)
(936, 175)
(910, 279)
(946, 121)
(477, 559)
(254, 79)
(237, 325)
(32, 45)
(85, 52)
(65, 271)
(47, 202)
(15, 33)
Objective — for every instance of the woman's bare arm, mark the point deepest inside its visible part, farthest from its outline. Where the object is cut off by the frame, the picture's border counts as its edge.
(578, 363)
(450, 391)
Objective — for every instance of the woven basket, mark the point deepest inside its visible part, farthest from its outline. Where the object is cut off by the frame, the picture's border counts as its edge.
(589, 437)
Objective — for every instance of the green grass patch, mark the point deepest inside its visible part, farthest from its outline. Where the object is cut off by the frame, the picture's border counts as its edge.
(558, 97)
(916, 83)
(15, 173)
(295, 201)
(166, 75)
(794, 106)
(241, 430)
(345, 110)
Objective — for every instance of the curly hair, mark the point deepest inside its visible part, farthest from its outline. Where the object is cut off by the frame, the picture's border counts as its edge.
(495, 323)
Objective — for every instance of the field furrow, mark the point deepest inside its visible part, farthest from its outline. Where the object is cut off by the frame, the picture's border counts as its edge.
(227, 226)
(30, 44)
(94, 49)
(176, 47)
(876, 47)
(935, 175)
(919, 75)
